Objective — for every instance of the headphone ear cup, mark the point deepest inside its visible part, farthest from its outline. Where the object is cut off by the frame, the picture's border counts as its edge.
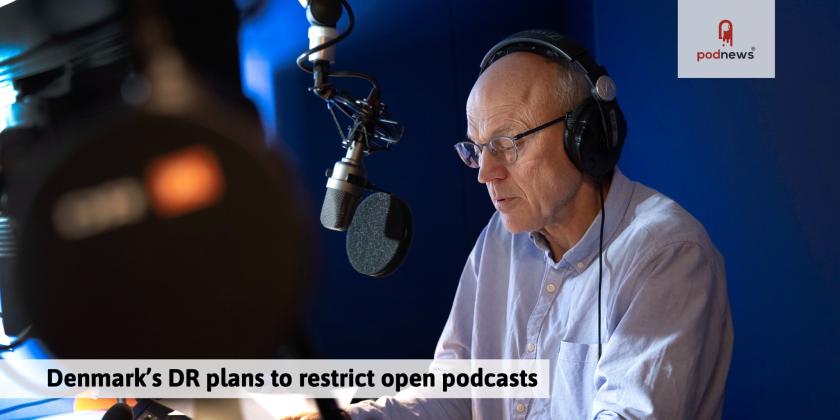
(584, 137)
(593, 151)
(618, 130)
(569, 137)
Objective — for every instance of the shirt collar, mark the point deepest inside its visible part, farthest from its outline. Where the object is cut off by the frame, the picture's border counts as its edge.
(586, 249)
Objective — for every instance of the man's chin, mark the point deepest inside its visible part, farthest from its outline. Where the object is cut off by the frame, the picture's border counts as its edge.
(514, 224)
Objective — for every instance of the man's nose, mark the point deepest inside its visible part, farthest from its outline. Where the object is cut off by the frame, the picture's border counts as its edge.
(491, 168)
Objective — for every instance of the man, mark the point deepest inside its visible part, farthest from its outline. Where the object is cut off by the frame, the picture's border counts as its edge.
(656, 342)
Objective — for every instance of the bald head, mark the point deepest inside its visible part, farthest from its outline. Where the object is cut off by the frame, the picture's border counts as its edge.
(524, 86)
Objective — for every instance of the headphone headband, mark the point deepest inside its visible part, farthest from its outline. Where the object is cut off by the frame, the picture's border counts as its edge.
(555, 46)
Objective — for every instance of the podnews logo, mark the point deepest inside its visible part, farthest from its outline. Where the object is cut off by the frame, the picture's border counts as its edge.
(725, 34)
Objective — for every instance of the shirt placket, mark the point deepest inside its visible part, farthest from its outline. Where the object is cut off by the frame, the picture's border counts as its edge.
(549, 286)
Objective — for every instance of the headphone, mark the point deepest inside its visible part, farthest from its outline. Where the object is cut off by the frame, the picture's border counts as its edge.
(595, 129)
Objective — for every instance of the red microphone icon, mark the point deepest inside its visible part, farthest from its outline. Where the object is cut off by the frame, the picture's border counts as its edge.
(725, 31)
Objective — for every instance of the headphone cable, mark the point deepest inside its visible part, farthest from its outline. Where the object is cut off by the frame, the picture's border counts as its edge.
(600, 186)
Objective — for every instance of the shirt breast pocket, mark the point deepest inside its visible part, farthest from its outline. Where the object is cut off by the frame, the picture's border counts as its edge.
(573, 380)
(577, 353)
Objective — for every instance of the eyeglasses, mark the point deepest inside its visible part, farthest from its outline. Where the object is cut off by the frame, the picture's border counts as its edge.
(470, 152)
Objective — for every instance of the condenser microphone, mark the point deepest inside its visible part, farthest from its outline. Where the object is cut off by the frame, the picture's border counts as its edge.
(379, 235)
(346, 184)
(379, 231)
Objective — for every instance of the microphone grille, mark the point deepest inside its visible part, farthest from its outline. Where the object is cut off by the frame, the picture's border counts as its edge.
(338, 208)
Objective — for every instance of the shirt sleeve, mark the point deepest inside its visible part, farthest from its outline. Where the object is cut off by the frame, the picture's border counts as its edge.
(671, 346)
(455, 343)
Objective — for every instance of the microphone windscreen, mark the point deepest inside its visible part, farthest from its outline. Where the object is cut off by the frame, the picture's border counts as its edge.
(338, 208)
(379, 235)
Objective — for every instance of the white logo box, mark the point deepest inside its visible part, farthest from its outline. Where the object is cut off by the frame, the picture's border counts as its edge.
(702, 54)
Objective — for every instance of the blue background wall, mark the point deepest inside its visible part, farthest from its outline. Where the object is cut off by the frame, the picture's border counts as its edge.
(751, 158)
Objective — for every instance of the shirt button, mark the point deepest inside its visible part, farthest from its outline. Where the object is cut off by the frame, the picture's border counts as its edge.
(580, 265)
(550, 288)
(532, 347)
(520, 408)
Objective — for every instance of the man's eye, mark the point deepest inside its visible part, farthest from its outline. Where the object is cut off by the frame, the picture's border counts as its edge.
(503, 146)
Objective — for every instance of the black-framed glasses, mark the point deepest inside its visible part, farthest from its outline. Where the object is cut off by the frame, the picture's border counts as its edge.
(504, 146)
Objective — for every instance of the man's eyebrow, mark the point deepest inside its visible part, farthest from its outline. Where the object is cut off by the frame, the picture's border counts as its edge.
(499, 132)
(506, 131)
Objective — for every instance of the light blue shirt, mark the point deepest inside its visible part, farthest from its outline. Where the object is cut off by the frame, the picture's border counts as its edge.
(666, 326)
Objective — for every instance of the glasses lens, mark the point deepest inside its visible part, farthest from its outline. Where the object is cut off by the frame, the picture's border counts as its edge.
(505, 147)
(469, 153)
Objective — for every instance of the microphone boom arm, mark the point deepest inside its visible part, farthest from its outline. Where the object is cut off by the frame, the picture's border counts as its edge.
(368, 114)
